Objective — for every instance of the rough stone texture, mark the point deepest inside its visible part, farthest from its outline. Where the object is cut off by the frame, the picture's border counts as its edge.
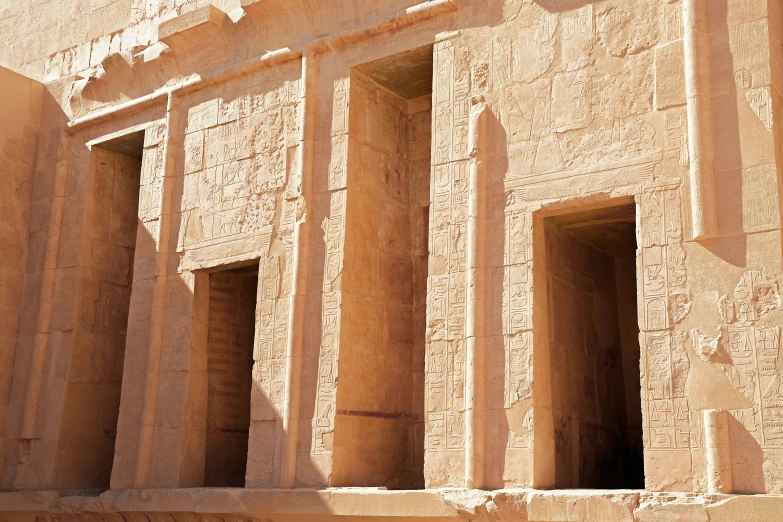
(465, 244)
(517, 505)
(84, 452)
(379, 430)
(21, 101)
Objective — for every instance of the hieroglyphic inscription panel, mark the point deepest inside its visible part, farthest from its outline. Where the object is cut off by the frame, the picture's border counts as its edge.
(750, 338)
(333, 229)
(664, 301)
(239, 157)
(237, 199)
(446, 292)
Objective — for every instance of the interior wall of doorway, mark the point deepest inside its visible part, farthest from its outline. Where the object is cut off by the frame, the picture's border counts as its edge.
(594, 348)
(91, 401)
(379, 423)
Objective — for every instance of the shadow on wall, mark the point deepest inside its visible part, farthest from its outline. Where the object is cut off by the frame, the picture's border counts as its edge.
(500, 420)
(20, 307)
(708, 387)
(84, 400)
(560, 6)
(735, 128)
(282, 24)
(266, 437)
(747, 464)
(316, 428)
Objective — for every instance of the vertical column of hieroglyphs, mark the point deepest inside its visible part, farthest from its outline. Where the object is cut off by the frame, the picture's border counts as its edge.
(446, 301)
(239, 202)
(274, 287)
(333, 227)
(670, 431)
(751, 336)
(149, 192)
(537, 99)
(514, 370)
(519, 54)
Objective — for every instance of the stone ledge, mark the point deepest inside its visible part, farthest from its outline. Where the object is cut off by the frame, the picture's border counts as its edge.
(191, 24)
(197, 27)
(373, 504)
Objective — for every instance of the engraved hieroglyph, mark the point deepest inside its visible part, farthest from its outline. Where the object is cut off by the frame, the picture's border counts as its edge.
(239, 200)
(392, 244)
(446, 292)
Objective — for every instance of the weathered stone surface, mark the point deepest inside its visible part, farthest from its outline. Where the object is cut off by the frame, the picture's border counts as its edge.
(363, 504)
(461, 244)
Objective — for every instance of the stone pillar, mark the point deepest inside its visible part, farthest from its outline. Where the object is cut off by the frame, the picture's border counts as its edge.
(300, 282)
(475, 396)
(717, 447)
(157, 323)
(700, 138)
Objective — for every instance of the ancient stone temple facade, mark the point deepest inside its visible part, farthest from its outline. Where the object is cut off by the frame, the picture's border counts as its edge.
(391, 260)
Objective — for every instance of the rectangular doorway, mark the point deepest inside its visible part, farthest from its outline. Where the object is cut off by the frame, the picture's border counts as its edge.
(231, 332)
(91, 399)
(379, 422)
(594, 348)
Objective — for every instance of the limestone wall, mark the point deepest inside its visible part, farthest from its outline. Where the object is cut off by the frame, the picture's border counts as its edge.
(21, 101)
(69, 37)
(585, 108)
(98, 336)
(377, 360)
(379, 423)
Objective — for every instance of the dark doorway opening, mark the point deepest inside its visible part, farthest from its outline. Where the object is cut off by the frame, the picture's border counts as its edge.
(231, 327)
(594, 348)
(91, 402)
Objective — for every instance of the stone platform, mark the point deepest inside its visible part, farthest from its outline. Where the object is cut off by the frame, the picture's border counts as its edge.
(370, 504)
